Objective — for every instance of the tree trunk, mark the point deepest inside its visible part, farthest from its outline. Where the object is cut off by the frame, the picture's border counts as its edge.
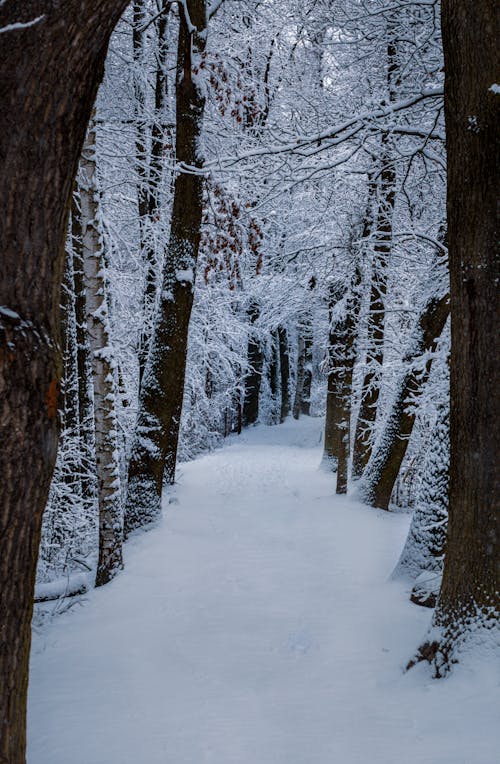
(160, 400)
(423, 553)
(254, 375)
(382, 471)
(467, 608)
(149, 174)
(103, 372)
(49, 73)
(348, 335)
(299, 381)
(333, 403)
(382, 232)
(284, 373)
(305, 405)
(85, 384)
(376, 322)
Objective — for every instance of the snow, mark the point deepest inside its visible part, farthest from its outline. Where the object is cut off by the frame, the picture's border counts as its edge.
(255, 625)
(185, 275)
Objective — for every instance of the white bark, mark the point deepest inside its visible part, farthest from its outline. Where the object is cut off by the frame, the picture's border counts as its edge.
(106, 434)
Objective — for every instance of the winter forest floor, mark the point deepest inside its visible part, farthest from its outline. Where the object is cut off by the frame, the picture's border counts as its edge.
(255, 625)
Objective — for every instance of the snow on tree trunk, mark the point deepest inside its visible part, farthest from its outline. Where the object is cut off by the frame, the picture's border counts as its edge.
(103, 372)
(382, 233)
(422, 557)
(284, 373)
(383, 468)
(299, 380)
(149, 147)
(253, 377)
(156, 437)
(376, 321)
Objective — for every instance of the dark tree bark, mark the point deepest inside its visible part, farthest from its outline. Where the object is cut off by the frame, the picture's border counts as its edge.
(49, 73)
(299, 380)
(305, 405)
(273, 373)
(348, 337)
(376, 322)
(382, 232)
(284, 373)
(254, 376)
(160, 403)
(333, 403)
(341, 358)
(382, 471)
(149, 161)
(468, 602)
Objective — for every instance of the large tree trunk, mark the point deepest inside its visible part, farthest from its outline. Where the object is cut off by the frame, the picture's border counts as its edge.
(103, 372)
(160, 401)
(382, 471)
(51, 64)
(467, 608)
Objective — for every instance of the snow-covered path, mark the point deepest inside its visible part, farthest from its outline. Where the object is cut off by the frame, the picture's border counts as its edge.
(254, 626)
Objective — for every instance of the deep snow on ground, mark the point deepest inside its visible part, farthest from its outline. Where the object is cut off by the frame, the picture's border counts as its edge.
(255, 625)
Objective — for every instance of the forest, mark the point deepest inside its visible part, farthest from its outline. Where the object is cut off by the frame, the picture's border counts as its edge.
(248, 381)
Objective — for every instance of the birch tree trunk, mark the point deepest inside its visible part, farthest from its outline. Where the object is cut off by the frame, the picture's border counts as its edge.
(160, 402)
(50, 69)
(103, 372)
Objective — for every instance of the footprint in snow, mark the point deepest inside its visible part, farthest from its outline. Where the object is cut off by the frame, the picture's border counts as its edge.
(300, 641)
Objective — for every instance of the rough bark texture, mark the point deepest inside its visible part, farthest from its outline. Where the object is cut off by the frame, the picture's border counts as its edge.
(49, 73)
(376, 322)
(467, 608)
(382, 232)
(254, 375)
(305, 405)
(149, 163)
(382, 471)
(299, 381)
(333, 402)
(160, 401)
(284, 373)
(348, 338)
(103, 373)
